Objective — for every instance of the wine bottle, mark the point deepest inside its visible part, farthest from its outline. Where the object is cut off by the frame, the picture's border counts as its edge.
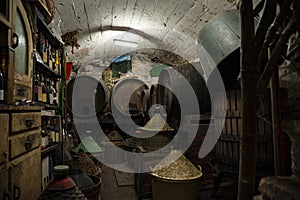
(55, 96)
(45, 56)
(48, 90)
(36, 87)
(51, 93)
(1, 86)
(44, 91)
(40, 89)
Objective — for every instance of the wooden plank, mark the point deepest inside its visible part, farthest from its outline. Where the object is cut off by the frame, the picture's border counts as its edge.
(247, 164)
(238, 99)
(4, 140)
(234, 126)
(18, 144)
(29, 183)
(24, 121)
(228, 126)
(235, 150)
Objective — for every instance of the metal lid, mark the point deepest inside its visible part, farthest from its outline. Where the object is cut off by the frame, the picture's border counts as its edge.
(171, 169)
(157, 123)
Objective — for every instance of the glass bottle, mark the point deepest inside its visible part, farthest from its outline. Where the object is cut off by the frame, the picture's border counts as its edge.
(2, 82)
(40, 89)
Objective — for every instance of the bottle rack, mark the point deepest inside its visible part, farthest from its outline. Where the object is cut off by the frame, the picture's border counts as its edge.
(48, 68)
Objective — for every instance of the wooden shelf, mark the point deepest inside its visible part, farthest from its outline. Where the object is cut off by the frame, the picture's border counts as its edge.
(49, 149)
(47, 106)
(42, 9)
(53, 40)
(42, 67)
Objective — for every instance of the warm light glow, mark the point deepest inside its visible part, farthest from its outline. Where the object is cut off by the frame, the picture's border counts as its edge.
(125, 43)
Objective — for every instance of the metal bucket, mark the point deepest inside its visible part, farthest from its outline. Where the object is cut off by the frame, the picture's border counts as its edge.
(88, 100)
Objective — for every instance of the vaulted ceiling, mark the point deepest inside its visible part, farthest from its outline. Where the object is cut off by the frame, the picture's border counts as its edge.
(165, 24)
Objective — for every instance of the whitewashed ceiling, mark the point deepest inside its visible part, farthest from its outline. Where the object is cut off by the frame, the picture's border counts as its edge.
(171, 24)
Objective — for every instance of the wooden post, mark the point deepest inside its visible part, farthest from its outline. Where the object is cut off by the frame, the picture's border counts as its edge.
(247, 165)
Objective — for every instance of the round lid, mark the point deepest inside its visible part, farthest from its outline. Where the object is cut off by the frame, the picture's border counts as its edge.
(61, 168)
(171, 168)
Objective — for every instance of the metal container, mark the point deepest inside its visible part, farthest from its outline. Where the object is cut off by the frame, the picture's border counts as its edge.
(221, 35)
(175, 179)
(221, 39)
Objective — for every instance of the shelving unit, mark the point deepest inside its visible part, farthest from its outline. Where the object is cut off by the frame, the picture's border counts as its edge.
(48, 67)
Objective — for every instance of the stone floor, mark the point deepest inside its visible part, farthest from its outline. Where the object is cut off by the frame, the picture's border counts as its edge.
(114, 189)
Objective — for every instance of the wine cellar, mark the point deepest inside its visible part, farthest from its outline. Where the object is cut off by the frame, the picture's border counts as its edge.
(149, 100)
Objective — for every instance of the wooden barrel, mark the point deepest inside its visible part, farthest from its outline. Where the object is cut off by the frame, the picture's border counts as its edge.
(170, 78)
(228, 145)
(86, 99)
(145, 101)
(122, 100)
(153, 94)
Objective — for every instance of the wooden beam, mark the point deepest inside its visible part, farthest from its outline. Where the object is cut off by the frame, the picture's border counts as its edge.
(275, 57)
(247, 165)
